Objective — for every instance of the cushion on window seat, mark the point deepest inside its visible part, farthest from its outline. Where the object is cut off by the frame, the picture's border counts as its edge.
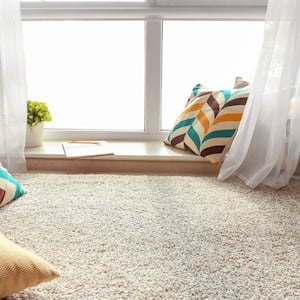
(210, 120)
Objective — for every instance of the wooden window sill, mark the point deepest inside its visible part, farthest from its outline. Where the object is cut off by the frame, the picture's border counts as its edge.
(150, 157)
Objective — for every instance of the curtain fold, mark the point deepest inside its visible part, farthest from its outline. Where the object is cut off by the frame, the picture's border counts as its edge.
(266, 148)
(12, 87)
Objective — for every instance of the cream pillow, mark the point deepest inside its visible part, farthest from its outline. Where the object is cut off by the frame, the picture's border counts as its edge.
(208, 123)
(20, 269)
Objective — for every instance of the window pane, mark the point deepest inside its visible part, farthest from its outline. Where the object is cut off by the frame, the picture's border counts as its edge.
(213, 2)
(212, 53)
(90, 73)
(83, 0)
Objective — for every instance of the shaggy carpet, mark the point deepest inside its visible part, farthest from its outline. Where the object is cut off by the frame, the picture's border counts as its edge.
(158, 237)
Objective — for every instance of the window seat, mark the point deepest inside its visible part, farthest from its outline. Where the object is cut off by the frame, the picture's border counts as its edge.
(135, 157)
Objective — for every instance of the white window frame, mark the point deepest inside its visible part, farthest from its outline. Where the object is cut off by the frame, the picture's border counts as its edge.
(153, 12)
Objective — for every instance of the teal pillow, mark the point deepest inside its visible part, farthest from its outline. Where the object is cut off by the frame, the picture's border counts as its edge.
(10, 188)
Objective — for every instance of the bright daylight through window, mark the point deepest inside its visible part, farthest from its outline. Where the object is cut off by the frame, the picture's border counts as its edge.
(206, 52)
(90, 73)
(127, 67)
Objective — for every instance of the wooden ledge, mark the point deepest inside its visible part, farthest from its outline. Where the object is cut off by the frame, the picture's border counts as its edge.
(130, 158)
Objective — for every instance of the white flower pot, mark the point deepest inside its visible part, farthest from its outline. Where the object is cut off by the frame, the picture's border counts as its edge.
(34, 135)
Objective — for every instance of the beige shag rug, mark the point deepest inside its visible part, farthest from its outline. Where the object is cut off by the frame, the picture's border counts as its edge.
(158, 237)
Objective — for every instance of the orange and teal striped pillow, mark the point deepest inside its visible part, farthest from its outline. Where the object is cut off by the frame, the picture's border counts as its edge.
(209, 121)
(10, 187)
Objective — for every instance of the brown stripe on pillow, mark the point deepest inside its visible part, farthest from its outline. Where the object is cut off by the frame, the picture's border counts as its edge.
(201, 94)
(239, 101)
(212, 150)
(177, 140)
(213, 103)
(2, 194)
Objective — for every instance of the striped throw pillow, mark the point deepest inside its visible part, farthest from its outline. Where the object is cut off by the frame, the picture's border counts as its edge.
(209, 121)
(10, 187)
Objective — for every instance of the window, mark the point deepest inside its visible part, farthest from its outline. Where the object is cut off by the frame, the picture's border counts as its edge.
(206, 52)
(89, 72)
(124, 69)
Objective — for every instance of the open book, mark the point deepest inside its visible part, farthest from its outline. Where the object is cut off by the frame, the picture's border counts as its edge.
(76, 149)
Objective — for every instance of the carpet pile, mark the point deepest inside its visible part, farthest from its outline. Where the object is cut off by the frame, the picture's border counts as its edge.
(158, 237)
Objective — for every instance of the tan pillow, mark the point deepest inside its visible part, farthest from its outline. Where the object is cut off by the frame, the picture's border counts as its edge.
(20, 269)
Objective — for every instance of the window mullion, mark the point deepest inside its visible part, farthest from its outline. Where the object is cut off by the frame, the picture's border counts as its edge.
(153, 76)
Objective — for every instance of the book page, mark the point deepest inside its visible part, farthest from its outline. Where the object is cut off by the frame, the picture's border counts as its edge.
(76, 149)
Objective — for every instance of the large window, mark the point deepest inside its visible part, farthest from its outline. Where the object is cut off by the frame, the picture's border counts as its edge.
(212, 53)
(124, 69)
(91, 73)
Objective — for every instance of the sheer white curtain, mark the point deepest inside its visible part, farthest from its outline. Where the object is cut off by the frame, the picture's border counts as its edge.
(12, 87)
(266, 148)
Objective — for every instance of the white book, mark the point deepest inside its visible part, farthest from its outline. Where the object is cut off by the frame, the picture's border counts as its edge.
(77, 149)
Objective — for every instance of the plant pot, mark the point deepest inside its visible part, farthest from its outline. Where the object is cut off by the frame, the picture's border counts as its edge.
(34, 135)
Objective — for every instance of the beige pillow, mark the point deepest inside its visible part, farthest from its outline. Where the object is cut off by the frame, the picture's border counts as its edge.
(208, 123)
(20, 269)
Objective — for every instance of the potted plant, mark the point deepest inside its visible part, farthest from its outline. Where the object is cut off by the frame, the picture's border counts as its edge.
(37, 114)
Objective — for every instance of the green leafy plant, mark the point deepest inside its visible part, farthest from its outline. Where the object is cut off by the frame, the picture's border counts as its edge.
(37, 112)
